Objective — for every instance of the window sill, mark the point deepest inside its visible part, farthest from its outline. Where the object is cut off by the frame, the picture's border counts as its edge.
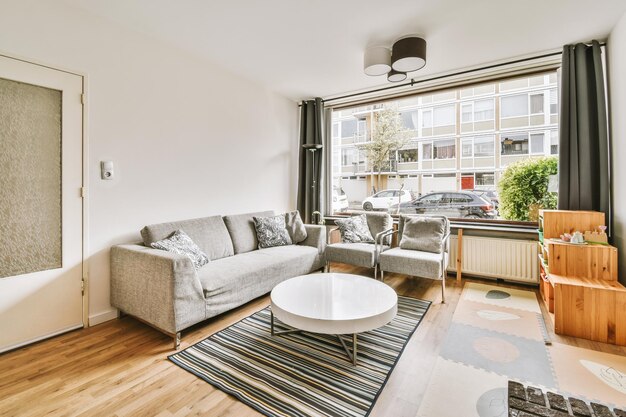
(509, 227)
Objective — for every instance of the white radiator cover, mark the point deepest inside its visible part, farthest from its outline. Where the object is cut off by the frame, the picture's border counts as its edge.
(508, 259)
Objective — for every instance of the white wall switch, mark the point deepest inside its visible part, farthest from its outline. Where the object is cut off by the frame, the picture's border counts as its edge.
(106, 168)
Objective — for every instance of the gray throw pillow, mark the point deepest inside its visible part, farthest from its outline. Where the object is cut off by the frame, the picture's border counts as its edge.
(354, 229)
(423, 234)
(271, 231)
(295, 226)
(178, 242)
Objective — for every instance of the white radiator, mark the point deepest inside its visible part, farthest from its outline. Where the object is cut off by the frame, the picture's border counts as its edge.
(508, 259)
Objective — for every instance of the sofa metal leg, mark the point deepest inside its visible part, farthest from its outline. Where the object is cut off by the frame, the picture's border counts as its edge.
(376, 271)
(177, 340)
(443, 290)
(327, 266)
(382, 276)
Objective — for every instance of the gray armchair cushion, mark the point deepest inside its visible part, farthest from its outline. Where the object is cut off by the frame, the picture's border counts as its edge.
(412, 262)
(360, 254)
(354, 229)
(295, 226)
(209, 233)
(379, 222)
(423, 234)
(242, 232)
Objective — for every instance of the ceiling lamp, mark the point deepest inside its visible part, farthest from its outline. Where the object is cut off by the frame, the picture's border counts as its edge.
(396, 76)
(377, 60)
(408, 54)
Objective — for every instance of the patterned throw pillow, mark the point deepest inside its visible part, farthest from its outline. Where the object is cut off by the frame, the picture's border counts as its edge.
(271, 231)
(295, 226)
(355, 230)
(179, 242)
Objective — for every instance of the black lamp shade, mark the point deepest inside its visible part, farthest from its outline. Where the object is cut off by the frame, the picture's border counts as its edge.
(408, 54)
(396, 76)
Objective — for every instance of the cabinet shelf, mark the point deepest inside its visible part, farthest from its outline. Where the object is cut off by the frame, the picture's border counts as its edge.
(579, 282)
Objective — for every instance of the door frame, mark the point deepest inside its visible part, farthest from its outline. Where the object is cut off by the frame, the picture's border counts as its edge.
(85, 171)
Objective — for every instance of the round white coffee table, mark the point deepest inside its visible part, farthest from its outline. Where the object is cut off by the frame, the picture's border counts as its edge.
(333, 304)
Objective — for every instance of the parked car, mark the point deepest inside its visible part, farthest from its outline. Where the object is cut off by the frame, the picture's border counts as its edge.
(456, 204)
(340, 201)
(489, 195)
(385, 198)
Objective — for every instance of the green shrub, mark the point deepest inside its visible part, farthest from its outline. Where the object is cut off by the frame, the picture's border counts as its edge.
(523, 187)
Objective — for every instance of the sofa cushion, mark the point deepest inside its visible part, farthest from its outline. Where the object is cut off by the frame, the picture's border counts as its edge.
(411, 262)
(271, 231)
(209, 233)
(182, 244)
(241, 230)
(423, 234)
(230, 282)
(360, 254)
(295, 226)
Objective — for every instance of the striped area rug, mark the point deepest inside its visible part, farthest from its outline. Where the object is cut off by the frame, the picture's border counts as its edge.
(301, 374)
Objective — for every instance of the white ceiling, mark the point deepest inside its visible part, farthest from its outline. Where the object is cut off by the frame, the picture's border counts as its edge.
(304, 49)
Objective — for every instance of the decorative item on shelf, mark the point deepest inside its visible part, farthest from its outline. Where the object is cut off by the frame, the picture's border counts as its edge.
(407, 54)
(566, 237)
(577, 238)
(597, 237)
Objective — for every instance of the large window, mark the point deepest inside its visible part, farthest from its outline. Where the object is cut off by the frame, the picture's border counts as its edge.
(477, 111)
(477, 147)
(407, 155)
(425, 160)
(444, 149)
(515, 144)
(514, 106)
(444, 116)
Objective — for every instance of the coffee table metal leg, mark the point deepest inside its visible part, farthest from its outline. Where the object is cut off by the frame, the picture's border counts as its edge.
(274, 332)
(352, 355)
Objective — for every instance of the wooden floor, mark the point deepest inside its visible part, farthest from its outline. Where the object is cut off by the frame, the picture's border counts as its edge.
(120, 368)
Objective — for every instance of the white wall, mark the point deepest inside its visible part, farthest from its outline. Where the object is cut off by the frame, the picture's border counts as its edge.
(617, 100)
(188, 139)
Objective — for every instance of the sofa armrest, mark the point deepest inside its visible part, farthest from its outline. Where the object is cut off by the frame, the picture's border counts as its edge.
(316, 237)
(159, 287)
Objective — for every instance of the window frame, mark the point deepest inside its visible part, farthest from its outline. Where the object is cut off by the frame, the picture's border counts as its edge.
(442, 140)
(426, 114)
(543, 102)
(516, 132)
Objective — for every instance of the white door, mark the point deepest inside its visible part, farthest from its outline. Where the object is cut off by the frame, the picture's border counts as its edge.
(40, 202)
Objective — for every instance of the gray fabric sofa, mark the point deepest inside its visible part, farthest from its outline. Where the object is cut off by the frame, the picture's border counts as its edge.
(164, 289)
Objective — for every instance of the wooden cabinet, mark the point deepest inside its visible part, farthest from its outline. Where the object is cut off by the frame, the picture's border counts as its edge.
(579, 282)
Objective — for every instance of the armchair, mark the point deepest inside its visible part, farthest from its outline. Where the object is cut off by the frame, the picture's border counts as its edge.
(431, 264)
(363, 254)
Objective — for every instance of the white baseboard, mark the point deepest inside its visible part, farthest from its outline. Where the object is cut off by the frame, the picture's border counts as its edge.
(99, 318)
(37, 339)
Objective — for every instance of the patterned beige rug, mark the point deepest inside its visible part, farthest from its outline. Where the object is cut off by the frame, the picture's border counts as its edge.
(496, 335)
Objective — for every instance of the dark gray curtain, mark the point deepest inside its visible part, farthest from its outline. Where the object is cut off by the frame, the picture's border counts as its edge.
(310, 163)
(583, 143)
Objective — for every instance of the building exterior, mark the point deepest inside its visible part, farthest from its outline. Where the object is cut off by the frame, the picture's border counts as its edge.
(461, 138)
